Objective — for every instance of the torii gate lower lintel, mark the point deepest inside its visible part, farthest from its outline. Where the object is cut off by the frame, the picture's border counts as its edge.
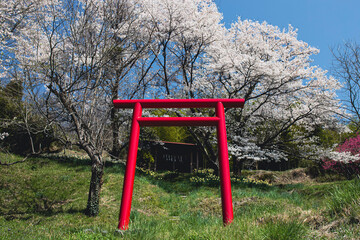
(138, 120)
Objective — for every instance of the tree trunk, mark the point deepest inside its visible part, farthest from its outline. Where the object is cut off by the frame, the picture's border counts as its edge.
(115, 124)
(115, 151)
(97, 171)
(237, 167)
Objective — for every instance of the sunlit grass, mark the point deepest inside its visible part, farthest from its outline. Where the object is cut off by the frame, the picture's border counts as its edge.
(45, 198)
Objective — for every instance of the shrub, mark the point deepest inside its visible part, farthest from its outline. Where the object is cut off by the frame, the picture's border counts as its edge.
(207, 177)
(351, 145)
(146, 160)
(346, 159)
(347, 169)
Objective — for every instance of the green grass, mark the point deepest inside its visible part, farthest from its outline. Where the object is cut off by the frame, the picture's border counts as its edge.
(45, 198)
(344, 200)
(282, 230)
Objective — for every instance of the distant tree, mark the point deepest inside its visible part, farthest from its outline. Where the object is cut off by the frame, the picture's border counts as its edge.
(10, 100)
(347, 68)
(27, 133)
(15, 18)
(10, 105)
(128, 65)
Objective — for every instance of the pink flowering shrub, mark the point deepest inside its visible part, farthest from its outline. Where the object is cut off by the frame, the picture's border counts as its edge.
(351, 145)
(348, 169)
(346, 160)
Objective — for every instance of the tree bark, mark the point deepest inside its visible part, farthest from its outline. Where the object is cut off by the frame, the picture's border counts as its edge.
(237, 167)
(97, 171)
(115, 151)
(115, 124)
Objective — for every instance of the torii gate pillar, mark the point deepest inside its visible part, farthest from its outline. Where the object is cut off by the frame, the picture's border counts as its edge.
(137, 121)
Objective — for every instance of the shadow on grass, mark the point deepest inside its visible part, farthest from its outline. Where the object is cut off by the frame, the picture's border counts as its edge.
(178, 183)
(183, 183)
(26, 215)
(171, 182)
(83, 163)
(67, 160)
(40, 187)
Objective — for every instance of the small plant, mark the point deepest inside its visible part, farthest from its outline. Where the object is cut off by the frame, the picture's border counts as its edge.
(253, 181)
(146, 160)
(207, 177)
(147, 171)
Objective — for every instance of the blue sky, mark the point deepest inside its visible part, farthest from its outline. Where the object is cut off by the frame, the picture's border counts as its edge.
(323, 24)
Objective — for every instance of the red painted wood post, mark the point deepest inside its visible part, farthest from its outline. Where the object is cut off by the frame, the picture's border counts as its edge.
(226, 198)
(128, 187)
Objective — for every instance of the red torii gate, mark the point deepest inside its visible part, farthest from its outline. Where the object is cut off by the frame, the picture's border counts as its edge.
(137, 121)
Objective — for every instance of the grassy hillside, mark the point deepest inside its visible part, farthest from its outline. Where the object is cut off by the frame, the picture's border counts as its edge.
(44, 198)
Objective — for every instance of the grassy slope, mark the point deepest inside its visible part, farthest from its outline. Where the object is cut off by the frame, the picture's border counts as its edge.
(45, 198)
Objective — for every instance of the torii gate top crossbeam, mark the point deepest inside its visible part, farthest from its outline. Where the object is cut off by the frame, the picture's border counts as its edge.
(179, 103)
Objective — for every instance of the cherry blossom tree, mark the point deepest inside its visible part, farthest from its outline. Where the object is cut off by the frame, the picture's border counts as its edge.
(76, 56)
(284, 93)
(183, 32)
(14, 18)
(197, 57)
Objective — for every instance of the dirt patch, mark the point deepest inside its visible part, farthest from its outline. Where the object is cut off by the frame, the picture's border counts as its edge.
(312, 218)
(154, 211)
(209, 206)
(245, 201)
(293, 176)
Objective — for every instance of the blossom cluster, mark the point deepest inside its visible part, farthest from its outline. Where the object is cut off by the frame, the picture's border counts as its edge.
(3, 135)
(345, 160)
(351, 145)
(343, 157)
